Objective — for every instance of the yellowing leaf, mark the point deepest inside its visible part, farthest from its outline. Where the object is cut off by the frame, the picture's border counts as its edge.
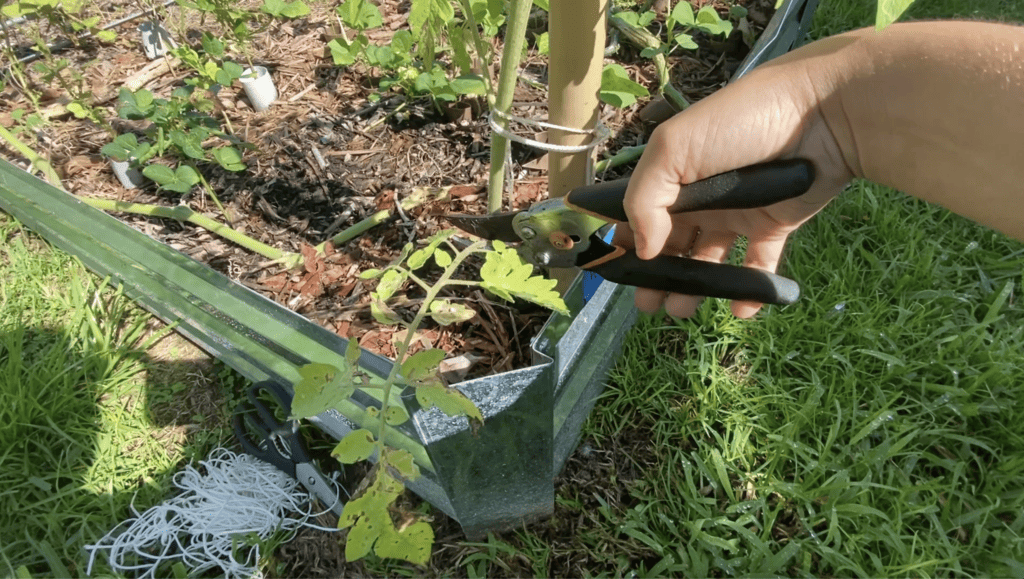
(442, 257)
(422, 364)
(322, 387)
(506, 275)
(382, 313)
(889, 11)
(419, 258)
(410, 544)
(352, 352)
(451, 401)
(445, 312)
(355, 446)
(389, 283)
(403, 462)
(370, 273)
(372, 527)
(396, 415)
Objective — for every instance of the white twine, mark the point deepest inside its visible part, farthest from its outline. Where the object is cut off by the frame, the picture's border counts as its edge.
(600, 133)
(207, 524)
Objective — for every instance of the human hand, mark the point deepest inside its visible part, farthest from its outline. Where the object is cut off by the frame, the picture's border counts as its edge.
(773, 113)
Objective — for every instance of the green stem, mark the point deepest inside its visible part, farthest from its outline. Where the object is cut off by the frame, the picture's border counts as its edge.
(644, 39)
(625, 155)
(209, 191)
(358, 229)
(410, 334)
(515, 36)
(183, 213)
(38, 161)
(482, 54)
(398, 109)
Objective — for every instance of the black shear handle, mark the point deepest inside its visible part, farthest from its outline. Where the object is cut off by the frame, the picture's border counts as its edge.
(683, 275)
(754, 186)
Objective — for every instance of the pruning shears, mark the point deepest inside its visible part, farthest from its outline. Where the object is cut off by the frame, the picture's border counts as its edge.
(569, 231)
(279, 442)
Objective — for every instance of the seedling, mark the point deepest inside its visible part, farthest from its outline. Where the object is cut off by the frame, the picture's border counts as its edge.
(368, 514)
(67, 16)
(705, 20)
(232, 19)
(178, 128)
(618, 89)
(413, 77)
(285, 10)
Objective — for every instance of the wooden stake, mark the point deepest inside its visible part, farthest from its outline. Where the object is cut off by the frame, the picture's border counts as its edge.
(577, 30)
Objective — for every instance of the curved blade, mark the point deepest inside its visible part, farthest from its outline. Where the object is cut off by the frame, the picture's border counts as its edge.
(497, 226)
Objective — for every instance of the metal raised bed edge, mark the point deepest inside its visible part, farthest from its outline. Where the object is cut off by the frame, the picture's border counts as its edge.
(498, 478)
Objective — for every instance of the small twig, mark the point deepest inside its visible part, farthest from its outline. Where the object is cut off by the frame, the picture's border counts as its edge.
(354, 152)
(302, 93)
(398, 207)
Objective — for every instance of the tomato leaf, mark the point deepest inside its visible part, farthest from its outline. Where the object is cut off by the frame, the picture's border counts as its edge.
(422, 364)
(451, 401)
(507, 276)
(355, 446)
(322, 387)
(445, 312)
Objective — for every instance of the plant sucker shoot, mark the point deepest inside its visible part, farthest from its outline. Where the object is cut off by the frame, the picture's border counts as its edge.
(368, 514)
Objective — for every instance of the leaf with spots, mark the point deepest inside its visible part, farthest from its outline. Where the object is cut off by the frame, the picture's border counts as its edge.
(321, 388)
(422, 364)
(355, 446)
(371, 528)
(451, 401)
(445, 312)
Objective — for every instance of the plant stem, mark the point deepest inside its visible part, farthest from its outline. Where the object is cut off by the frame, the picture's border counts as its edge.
(209, 191)
(39, 162)
(483, 55)
(625, 155)
(398, 109)
(410, 334)
(183, 213)
(644, 39)
(412, 201)
(515, 36)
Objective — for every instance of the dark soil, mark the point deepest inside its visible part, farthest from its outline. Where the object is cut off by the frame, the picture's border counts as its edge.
(326, 157)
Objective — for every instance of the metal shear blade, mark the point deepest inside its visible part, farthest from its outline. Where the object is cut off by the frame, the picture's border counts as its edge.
(280, 442)
(564, 232)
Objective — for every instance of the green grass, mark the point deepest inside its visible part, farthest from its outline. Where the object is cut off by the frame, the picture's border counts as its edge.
(88, 415)
(874, 429)
(871, 430)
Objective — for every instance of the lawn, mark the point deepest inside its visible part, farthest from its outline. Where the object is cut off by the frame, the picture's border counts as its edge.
(872, 429)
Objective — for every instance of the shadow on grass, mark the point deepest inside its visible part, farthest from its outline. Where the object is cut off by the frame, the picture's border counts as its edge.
(91, 427)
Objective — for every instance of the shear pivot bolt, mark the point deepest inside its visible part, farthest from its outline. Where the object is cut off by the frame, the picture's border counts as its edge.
(560, 240)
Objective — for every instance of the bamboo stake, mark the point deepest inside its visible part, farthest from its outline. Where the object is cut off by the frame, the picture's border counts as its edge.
(515, 35)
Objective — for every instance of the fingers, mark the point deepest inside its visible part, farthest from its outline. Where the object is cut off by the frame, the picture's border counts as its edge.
(653, 188)
(715, 246)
